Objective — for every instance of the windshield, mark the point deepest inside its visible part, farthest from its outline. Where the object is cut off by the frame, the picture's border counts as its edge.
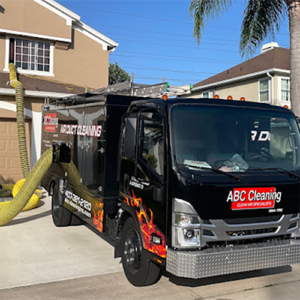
(234, 139)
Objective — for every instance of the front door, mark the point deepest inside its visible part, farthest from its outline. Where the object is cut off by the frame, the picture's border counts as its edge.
(147, 189)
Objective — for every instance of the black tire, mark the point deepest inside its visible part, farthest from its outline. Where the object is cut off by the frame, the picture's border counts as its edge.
(60, 215)
(139, 270)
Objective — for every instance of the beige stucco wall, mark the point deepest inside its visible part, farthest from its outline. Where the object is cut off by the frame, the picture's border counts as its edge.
(2, 52)
(32, 114)
(247, 89)
(29, 16)
(86, 64)
(82, 62)
(33, 104)
(4, 113)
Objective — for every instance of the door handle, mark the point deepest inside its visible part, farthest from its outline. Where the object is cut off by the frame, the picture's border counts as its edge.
(126, 183)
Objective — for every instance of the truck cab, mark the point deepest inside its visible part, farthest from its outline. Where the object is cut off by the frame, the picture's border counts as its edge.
(212, 179)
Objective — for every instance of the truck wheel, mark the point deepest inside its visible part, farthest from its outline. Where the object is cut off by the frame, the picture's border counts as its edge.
(60, 215)
(139, 270)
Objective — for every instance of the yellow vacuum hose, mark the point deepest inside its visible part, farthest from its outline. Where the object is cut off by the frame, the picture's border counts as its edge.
(9, 210)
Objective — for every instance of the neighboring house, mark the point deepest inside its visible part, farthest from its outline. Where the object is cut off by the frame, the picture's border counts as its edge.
(56, 55)
(264, 78)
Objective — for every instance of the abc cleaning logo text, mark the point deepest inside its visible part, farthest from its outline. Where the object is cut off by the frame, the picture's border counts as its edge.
(50, 122)
(253, 198)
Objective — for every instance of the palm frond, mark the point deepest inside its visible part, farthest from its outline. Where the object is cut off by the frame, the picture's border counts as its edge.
(202, 10)
(261, 18)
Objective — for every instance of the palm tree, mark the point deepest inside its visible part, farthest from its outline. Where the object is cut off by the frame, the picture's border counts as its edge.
(261, 18)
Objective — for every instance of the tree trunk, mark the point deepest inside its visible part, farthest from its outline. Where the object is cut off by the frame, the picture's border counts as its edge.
(294, 24)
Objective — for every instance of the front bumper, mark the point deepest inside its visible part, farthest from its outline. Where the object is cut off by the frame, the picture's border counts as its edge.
(213, 262)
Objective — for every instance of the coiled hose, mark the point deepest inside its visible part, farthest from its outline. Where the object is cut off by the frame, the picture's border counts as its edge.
(20, 119)
(6, 190)
(11, 209)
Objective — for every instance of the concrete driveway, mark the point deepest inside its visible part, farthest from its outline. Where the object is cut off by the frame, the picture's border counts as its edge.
(40, 261)
(34, 251)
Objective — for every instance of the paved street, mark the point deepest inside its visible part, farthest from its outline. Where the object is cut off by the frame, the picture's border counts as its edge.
(40, 261)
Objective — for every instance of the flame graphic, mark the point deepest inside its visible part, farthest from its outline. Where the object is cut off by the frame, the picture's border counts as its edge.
(147, 227)
(98, 216)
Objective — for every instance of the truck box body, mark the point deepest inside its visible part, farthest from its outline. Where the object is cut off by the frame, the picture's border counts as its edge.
(92, 131)
(199, 187)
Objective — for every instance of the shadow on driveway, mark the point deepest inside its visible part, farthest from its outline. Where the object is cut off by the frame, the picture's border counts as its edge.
(31, 218)
(230, 277)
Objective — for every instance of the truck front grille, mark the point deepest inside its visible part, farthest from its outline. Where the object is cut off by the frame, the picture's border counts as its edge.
(228, 230)
(253, 220)
(252, 231)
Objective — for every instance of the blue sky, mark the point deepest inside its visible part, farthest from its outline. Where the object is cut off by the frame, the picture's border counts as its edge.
(155, 38)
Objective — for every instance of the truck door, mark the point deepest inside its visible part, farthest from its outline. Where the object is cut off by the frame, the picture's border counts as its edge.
(87, 143)
(94, 148)
(76, 117)
(149, 184)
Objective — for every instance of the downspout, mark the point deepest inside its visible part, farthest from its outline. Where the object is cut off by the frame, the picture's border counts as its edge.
(271, 94)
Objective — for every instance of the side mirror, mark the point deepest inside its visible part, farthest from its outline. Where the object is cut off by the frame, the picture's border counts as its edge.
(130, 138)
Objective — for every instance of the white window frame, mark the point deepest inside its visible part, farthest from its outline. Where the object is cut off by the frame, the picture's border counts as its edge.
(206, 92)
(29, 72)
(279, 90)
(259, 91)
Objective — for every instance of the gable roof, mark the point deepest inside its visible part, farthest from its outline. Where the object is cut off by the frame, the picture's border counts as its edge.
(59, 9)
(74, 20)
(277, 58)
(36, 86)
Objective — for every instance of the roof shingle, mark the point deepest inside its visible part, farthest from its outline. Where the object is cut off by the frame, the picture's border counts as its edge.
(275, 58)
(43, 84)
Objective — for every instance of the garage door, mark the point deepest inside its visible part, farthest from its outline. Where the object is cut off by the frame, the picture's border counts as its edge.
(10, 165)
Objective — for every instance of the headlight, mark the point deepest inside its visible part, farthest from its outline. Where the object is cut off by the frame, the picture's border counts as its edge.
(186, 220)
(186, 225)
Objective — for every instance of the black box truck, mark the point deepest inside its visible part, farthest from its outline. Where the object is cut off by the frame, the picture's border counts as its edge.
(189, 187)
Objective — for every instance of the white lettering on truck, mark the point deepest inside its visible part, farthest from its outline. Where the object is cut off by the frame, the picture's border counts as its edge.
(253, 198)
(81, 130)
(262, 137)
(78, 203)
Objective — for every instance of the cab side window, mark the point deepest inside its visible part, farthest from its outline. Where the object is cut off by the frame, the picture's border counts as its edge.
(152, 152)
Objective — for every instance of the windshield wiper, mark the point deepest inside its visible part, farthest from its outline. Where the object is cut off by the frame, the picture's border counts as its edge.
(279, 170)
(215, 170)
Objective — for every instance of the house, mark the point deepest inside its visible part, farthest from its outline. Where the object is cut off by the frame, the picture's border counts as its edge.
(264, 78)
(56, 55)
